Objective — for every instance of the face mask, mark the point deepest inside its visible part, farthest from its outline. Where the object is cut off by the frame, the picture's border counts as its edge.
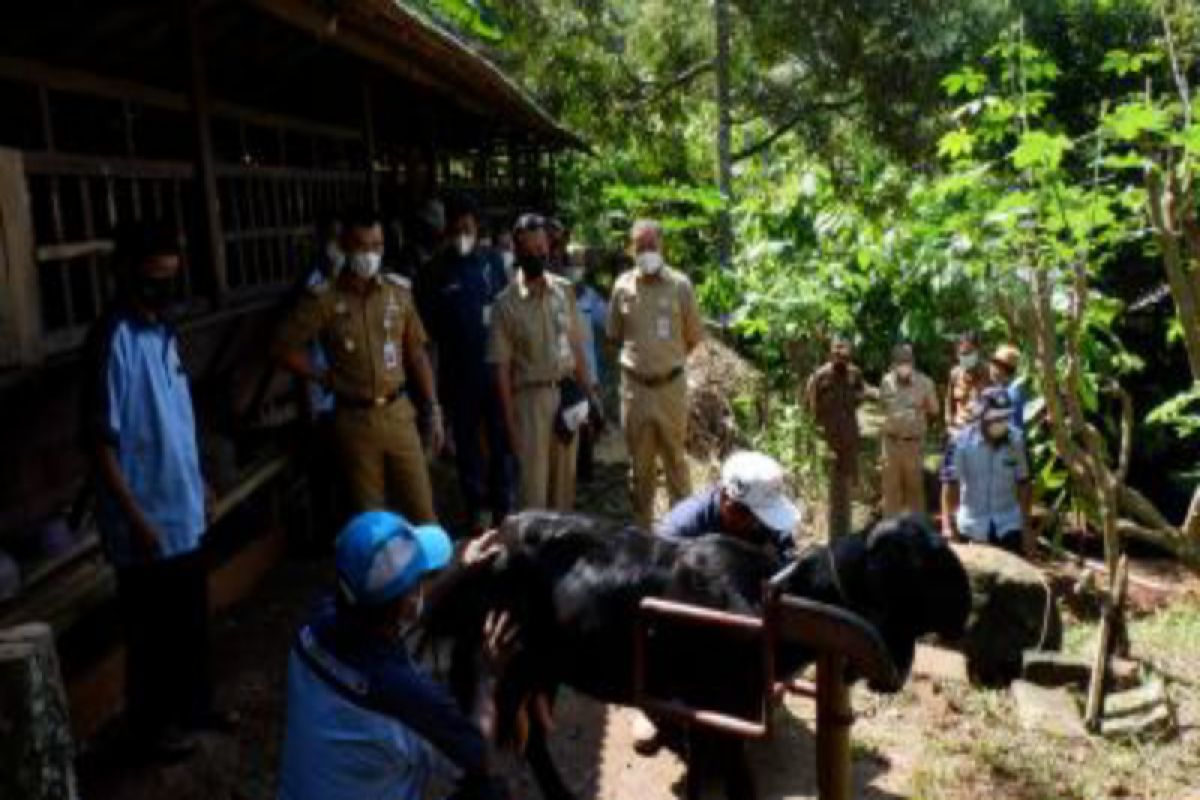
(366, 265)
(156, 293)
(996, 430)
(336, 258)
(575, 274)
(649, 262)
(533, 267)
(465, 244)
(968, 360)
(904, 371)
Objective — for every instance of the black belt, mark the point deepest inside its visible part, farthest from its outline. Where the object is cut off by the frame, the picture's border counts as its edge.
(899, 438)
(350, 401)
(654, 381)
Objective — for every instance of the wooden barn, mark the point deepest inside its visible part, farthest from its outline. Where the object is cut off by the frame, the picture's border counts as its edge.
(242, 120)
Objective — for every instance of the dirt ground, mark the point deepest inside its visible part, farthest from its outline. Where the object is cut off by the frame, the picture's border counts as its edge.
(937, 740)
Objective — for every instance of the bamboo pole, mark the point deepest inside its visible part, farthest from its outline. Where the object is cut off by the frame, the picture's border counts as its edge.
(834, 718)
(1113, 609)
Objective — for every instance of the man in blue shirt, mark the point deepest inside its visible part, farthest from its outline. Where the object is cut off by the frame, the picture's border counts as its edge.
(464, 283)
(989, 488)
(749, 503)
(593, 324)
(140, 433)
(1005, 364)
(363, 720)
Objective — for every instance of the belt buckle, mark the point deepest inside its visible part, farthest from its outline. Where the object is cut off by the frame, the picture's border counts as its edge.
(380, 402)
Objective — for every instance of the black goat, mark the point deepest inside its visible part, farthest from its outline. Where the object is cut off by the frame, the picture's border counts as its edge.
(574, 583)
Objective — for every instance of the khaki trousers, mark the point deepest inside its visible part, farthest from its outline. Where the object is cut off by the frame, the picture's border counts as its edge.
(382, 461)
(655, 422)
(546, 465)
(843, 475)
(903, 476)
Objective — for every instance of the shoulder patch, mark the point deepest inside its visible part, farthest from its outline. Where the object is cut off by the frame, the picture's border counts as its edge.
(397, 280)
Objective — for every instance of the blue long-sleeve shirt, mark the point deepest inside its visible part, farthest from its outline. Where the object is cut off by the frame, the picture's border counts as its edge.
(363, 721)
(700, 514)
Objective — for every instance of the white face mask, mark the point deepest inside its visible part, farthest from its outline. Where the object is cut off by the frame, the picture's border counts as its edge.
(650, 262)
(336, 258)
(465, 244)
(904, 371)
(968, 360)
(366, 265)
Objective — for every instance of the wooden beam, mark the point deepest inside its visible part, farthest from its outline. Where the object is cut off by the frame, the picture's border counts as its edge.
(20, 299)
(49, 76)
(205, 160)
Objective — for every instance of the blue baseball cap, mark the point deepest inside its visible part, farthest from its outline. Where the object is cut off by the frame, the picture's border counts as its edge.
(380, 556)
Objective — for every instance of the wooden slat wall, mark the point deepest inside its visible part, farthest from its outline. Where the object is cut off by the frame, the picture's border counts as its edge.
(20, 320)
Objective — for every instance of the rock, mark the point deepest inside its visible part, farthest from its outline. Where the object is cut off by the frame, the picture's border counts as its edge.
(35, 734)
(1013, 609)
(1051, 711)
(938, 663)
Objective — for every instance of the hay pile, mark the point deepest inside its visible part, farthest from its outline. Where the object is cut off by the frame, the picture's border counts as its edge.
(716, 377)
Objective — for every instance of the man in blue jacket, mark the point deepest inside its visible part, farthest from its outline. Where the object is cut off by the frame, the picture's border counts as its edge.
(464, 282)
(363, 720)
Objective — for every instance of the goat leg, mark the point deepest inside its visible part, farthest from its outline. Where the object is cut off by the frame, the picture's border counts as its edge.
(545, 771)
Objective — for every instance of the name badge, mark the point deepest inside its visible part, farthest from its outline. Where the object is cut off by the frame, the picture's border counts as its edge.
(391, 358)
(487, 315)
(664, 327)
(564, 347)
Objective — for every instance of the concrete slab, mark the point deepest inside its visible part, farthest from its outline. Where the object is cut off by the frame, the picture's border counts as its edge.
(1051, 711)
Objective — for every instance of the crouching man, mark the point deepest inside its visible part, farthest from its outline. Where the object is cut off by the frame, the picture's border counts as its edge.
(750, 503)
(363, 720)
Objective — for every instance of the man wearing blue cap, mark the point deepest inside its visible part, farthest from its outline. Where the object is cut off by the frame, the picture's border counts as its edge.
(363, 720)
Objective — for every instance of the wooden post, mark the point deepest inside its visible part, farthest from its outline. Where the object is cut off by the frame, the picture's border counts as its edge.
(369, 143)
(1114, 604)
(206, 170)
(20, 302)
(36, 753)
(834, 718)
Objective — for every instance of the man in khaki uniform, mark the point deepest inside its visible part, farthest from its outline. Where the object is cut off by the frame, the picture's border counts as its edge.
(655, 318)
(369, 328)
(534, 345)
(909, 401)
(832, 396)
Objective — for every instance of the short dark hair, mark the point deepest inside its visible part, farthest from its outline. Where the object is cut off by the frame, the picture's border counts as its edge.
(138, 241)
(969, 337)
(361, 217)
(459, 205)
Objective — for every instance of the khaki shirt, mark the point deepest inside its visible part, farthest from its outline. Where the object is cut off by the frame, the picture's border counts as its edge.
(833, 399)
(965, 388)
(656, 320)
(365, 336)
(533, 329)
(907, 406)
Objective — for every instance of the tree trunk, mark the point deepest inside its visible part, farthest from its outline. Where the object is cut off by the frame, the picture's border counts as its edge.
(35, 726)
(724, 133)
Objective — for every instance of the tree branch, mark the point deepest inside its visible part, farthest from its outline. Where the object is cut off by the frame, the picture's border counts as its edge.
(792, 121)
(657, 91)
